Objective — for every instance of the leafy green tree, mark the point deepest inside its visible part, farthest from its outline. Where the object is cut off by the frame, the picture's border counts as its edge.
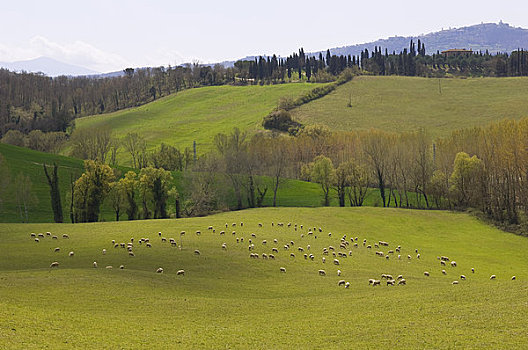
(129, 185)
(323, 173)
(154, 183)
(117, 198)
(358, 181)
(465, 180)
(90, 190)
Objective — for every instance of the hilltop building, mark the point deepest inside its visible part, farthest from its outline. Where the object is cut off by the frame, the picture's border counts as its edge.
(456, 52)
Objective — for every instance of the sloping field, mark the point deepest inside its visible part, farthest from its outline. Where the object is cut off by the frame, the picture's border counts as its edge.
(408, 103)
(225, 299)
(197, 114)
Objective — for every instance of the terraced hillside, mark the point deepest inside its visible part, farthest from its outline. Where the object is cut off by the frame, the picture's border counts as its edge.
(197, 114)
(225, 299)
(408, 103)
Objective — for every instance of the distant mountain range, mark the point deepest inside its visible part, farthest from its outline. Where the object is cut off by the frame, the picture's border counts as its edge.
(48, 66)
(494, 37)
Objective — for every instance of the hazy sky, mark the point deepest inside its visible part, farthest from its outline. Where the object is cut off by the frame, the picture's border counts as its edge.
(108, 35)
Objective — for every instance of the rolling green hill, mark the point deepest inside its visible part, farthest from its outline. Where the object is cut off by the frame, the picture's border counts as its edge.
(197, 114)
(409, 103)
(227, 300)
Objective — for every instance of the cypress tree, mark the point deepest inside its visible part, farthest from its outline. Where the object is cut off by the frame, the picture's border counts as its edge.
(53, 182)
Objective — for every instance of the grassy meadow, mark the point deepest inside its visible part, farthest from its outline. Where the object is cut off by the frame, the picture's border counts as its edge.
(408, 103)
(227, 300)
(196, 115)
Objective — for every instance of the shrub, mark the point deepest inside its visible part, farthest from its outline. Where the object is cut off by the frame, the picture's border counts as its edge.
(280, 120)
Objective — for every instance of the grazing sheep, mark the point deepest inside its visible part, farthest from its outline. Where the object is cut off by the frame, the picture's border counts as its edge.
(390, 252)
(95, 264)
(376, 283)
(311, 256)
(159, 270)
(33, 235)
(196, 252)
(444, 272)
(70, 254)
(300, 249)
(339, 272)
(198, 233)
(224, 246)
(210, 228)
(65, 236)
(426, 273)
(336, 262)
(376, 245)
(369, 247)
(398, 250)
(310, 233)
(442, 262)
(380, 254)
(109, 267)
(347, 285)
(131, 254)
(329, 234)
(149, 245)
(341, 283)
(37, 240)
(57, 249)
(399, 256)
(454, 282)
(259, 225)
(444, 258)
(402, 282)
(391, 282)
(322, 273)
(54, 237)
(274, 250)
(308, 247)
(54, 264)
(233, 233)
(222, 232)
(292, 255)
(180, 272)
(241, 224)
(416, 250)
(513, 278)
(121, 267)
(409, 257)
(163, 239)
(399, 277)
(104, 251)
(417, 256)
(324, 260)
(271, 256)
(387, 257)
(41, 235)
(462, 277)
(275, 240)
(291, 243)
(453, 264)
(473, 270)
(264, 242)
(283, 269)
(253, 235)
(286, 247)
(492, 277)
(264, 256)
(116, 245)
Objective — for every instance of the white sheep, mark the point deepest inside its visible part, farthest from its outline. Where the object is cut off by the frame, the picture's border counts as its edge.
(341, 283)
(473, 270)
(196, 252)
(444, 272)
(37, 240)
(131, 254)
(283, 269)
(376, 283)
(271, 256)
(121, 267)
(159, 270)
(198, 233)
(492, 277)
(391, 282)
(402, 282)
(70, 253)
(324, 260)
(57, 249)
(339, 272)
(292, 255)
(95, 264)
(224, 246)
(41, 235)
(54, 237)
(454, 282)
(104, 251)
(453, 264)
(109, 267)
(54, 264)
(462, 277)
(322, 273)
(513, 278)
(48, 233)
(426, 273)
(180, 272)
(65, 236)
(336, 262)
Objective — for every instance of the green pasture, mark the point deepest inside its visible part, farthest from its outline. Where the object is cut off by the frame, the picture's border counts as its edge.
(408, 103)
(228, 300)
(196, 115)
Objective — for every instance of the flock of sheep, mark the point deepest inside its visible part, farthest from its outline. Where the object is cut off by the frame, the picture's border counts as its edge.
(343, 250)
